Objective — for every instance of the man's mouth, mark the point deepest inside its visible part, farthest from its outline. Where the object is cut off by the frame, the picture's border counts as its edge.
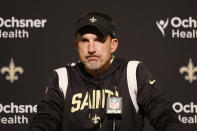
(92, 58)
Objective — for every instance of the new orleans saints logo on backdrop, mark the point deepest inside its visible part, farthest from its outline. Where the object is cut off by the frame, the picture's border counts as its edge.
(11, 71)
(190, 71)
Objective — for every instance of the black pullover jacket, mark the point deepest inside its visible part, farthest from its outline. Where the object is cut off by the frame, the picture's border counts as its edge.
(83, 107)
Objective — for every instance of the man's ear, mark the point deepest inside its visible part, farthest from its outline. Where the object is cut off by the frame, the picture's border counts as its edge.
(78, 37)
(76, 45)
(114, 45)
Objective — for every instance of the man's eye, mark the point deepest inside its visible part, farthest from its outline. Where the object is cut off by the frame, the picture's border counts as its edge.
(84, 40)
(102, 40)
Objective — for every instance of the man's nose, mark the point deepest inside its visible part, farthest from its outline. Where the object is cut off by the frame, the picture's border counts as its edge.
(91, 47)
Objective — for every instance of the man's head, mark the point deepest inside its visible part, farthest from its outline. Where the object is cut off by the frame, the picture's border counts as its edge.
(95, 41)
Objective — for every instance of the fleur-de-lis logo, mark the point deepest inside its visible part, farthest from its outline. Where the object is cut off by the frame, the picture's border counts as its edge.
(190, 70)
(96, 119)
(93, 19)
(162, 25)
(12, 70)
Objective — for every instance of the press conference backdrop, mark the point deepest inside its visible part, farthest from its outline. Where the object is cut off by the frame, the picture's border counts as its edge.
(37, 37)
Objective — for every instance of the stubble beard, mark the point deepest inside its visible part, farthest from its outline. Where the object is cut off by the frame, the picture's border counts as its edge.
(93, 65)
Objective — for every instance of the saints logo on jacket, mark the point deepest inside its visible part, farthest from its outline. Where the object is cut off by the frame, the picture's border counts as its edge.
(94, 101)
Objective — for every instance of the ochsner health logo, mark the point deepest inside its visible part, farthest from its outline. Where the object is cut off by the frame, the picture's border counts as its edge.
(19, 28)
(180, 27)
(16, 114)
(162, 25)
(187, 113)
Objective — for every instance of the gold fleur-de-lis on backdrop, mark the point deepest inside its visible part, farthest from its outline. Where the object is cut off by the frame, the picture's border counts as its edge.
(190, 70)
(12, 70)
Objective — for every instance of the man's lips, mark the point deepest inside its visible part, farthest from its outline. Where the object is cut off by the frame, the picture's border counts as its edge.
(92, 58)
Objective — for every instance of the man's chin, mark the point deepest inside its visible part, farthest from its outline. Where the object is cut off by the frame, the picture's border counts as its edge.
(92, 67)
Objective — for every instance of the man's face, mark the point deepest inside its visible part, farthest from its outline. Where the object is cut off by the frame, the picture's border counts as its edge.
(95, 52)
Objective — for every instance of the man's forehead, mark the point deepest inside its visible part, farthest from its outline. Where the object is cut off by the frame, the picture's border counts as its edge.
(89, 36)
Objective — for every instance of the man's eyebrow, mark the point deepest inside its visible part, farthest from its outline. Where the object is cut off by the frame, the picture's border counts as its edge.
(83, 37)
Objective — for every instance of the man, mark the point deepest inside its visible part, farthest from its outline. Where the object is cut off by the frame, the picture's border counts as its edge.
(78, 95)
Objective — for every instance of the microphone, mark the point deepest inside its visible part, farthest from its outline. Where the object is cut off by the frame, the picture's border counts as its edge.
(114, 106)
